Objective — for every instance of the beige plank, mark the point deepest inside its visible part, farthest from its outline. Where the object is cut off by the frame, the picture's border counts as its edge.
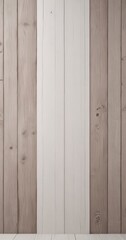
(1, 157)
(10, 116)
(27, 84)
(98, 76)
(53, 118)
(76, 152)
(114, 86)
(1, 39)
(123, 116)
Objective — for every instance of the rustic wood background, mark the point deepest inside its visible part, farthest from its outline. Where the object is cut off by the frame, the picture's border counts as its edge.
(18, 116)
(108, 116)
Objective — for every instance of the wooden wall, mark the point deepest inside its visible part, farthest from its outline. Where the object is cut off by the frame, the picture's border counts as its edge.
(18, 116)
(108, 116)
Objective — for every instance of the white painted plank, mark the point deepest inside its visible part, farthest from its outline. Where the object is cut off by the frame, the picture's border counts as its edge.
(53, 118)
(63, 237)
(76, 119)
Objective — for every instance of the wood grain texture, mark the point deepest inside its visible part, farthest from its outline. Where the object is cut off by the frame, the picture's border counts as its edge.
(98, 76)
(1, 157)
(53, 118)
(123, 109)
(40, 31)
(76, 165)
(1, 40)
(27, 83)
(114, 87)
(10, 116)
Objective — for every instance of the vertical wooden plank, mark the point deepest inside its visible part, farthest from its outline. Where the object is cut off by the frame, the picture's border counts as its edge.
(114, 86)
(53, 118)
(123, 116)
(1, 116)
(1, 39)
(40, 24)
(27, 84)
(1, 157)
(10, 116)
(98, 76)
(76, 120)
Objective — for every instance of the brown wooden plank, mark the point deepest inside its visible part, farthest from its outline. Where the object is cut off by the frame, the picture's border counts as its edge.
(10, 116)
(1, 157)
(114, 54)
(1, 39)
(27, 84)
(123, 116)
(98, 73)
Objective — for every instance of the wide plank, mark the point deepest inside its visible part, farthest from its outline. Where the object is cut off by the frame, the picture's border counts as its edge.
(63, 237)
(27, 113)
(98, 104)
(114, 122)
(52, 142)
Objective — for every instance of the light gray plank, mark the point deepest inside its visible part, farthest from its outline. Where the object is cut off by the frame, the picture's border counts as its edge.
(53, 118)
(27, 110)
(114, 135)
(76, 152)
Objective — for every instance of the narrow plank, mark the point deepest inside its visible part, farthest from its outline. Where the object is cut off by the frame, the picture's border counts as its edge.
(27, 84)
(25, 237)
(44, 237)
(1, 157)
(114, 86)
(98, 76)
(53, 118)
(40, 29)
(10, 116)
(76, 156)
(123, 116)
(1, 39)
(63, 237)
